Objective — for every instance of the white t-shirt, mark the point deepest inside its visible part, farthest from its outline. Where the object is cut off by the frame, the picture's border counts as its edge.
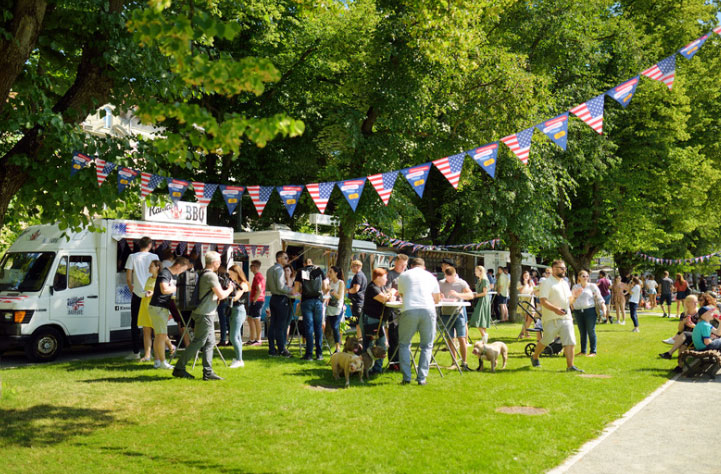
(417, 287)
(635, 294)
(558, 293)
(651, 284)
(139, 263)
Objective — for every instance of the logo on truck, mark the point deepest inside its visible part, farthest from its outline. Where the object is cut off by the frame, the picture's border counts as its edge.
(76, 305)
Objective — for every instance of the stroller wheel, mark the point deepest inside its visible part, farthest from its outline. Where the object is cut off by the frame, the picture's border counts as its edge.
(530, 348)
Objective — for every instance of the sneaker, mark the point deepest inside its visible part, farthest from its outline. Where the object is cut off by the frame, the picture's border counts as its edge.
(145, 359)
(286, 354)
(320, 357)
(535, 362)
(422, 382)
(133, 356)
(465, 368)
(635, 330)
(665, 355)
(307, 357)
(622, 323)
(237, 364)
(182, 373)
(212, 376)
(257, 343)
(573, 368)
(164, 365)
(156, 364)
(405, 382)
(668, 341)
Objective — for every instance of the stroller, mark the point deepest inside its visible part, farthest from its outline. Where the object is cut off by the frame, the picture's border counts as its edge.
(552, 349)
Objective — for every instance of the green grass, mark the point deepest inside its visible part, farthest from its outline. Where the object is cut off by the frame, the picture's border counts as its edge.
(270, 416)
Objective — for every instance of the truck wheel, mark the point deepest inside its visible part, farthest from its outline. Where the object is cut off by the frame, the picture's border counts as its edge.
(45, 345)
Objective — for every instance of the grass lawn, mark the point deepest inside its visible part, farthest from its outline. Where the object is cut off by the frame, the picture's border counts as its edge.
(275, 415)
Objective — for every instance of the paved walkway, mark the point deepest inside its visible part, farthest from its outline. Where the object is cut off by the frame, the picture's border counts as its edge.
(668, 432)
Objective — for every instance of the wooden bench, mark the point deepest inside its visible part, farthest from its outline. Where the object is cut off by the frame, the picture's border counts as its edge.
(697, 363)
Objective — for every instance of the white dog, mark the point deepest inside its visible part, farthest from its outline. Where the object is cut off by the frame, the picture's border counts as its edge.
(490, 352)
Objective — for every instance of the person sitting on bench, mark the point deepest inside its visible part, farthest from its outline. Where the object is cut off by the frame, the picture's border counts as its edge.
(703, 333)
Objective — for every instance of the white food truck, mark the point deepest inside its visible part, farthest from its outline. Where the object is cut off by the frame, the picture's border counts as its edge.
(56, 291)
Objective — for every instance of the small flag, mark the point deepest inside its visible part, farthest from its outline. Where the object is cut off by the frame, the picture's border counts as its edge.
(417, 176)
(486, 157)
(249, 249)
(451, 167)
(219, 248)
(320, 193)
(232, 196)
(383, 184)
(174, 245)
(556, 129)
(260, 195)
(125, 176)
(591, 112)
(176, 188)
(717, 30)
(692, 48)
(352, 190)
(664, 71)
(623, 93)
(204, 248)
(148, 182)
(79, 162)
(103, 169)
(520, 143)
(289, 195)
(204, 192)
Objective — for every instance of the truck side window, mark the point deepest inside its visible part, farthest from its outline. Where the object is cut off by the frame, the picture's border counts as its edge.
(80, 271)
(60, 282)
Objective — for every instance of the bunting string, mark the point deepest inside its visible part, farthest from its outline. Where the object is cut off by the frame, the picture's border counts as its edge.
(384, 239)
(677, 261)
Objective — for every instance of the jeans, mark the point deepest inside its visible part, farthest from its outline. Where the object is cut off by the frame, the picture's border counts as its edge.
(423, 321)
(223, 308)
(134, 330)
(237, 318)
(279, 319)
(714, 345)
(380, 339)
(586, 320)
(203, 340)
(312, 310)
(632, 309)
(334, 322)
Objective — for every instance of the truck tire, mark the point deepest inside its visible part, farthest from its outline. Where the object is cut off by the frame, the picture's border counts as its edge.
(45, 345)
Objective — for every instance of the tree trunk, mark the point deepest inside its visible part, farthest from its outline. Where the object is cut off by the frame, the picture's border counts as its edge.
(514, 248)
(346, 232)
(624, 262)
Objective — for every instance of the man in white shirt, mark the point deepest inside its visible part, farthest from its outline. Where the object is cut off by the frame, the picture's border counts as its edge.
(137, 272)
(556, 300)
(420, 292)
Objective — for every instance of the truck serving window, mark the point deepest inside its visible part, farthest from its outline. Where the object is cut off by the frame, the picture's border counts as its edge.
(25, 271)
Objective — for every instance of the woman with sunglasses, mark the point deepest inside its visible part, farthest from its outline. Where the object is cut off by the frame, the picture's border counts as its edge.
(584, 311)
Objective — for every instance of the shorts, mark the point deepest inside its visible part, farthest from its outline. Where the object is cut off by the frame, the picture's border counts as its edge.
(681, 295)
(256, 308)
(688, 338)
(502, 299)
(607, 299)
(665, 299)
(159, 317)
(459, 325)
(562, 328)
(651, 291)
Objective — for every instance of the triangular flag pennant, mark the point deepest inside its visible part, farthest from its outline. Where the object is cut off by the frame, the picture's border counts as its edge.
(417, 176)
(125, 176)
(692, 48)
(556, 129)
(486, 157)
(204, 248)
(204, 192)
(79, 162)
(219, 248)
(176, 188)
(591, 112)
(290, 194)
(103, 169)
(623, 93)
(320, 193)
(383, 184)
(232, 196)
(520, 143)
(148, 182)
(181, 248)
(663, 71)
(174, 245)
(717, 30)
(260, 195)
(241, 249)
(249, 249)
(352, 190)
(451, 167)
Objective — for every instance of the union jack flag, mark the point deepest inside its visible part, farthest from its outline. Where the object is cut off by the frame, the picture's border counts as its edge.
(260, 195)
(692, 48)
(623, 93)
(148, 182)
(320, 193)
(451, 167)
(103, 169)
(204, 192)
(591, 112)
(520, 143)
(383, 183)
(664, 71)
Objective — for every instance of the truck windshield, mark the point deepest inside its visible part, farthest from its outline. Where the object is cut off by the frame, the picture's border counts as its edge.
(25, 271)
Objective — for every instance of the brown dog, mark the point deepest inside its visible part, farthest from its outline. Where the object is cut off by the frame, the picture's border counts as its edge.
(352, 345)
(344, 363)
(369, 357)
(490, 352)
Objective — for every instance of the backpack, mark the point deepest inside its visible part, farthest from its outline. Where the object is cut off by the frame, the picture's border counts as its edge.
(188, 297)
(313, 286)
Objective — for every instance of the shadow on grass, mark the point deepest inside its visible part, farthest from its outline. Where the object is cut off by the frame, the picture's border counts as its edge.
(49, 425)
(137, 378)
(174, 459)
(663, 373)
(124, 366)
(322, 377)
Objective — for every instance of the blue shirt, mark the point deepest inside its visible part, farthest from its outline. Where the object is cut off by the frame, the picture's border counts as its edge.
(701, 332)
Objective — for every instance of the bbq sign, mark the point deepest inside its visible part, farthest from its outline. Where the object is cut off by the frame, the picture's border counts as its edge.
(181, 213)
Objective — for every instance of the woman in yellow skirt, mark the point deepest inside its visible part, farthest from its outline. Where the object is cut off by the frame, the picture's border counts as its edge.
(144, 316)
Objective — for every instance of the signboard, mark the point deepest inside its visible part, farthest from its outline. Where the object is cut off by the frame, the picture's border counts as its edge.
(180, 213)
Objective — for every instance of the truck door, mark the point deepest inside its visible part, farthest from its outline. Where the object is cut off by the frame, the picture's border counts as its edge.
(74, 299)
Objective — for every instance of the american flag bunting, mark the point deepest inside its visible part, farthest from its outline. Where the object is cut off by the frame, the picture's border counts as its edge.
(232, 196)
(260, 195)
(320, 193)
(591, 112)
(556, 129)
(204, 192)
(417, 177)
(520, 143)
(290, 194)
(692, 48)
(623, 93)
(176, 188)
(352, 190)
(148, 182)
(103, 169)
(451, 167)
(383, 184)
(663, 71)
(79, 162)
(125, 177)
(486, 156)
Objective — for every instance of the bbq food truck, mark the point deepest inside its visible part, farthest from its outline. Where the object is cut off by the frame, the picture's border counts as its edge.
(57, 290)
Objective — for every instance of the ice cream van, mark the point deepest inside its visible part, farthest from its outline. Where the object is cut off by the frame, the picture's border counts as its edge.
(56, 290)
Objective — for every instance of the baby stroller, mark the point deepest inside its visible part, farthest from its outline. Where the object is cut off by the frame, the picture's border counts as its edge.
(551, 350)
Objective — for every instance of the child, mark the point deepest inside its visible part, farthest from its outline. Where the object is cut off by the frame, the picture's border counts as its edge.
(702, 334)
